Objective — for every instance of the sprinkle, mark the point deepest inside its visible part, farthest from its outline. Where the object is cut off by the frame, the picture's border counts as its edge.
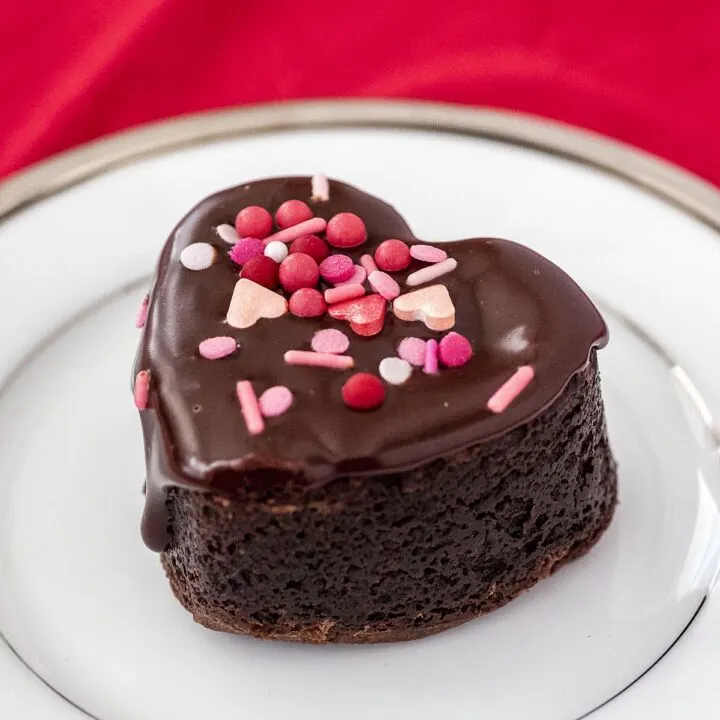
(307, 303)
(215, 348)
(275, 401)
(358, 277)
(368, 263)
(431, 357)
(142, 313)
(344, 292)
(346, 230)
(363, 391)
(392, 255)
(292, 212)
(510, 389)
(141, 390)
(432, 305)
(337, 268)
(366, 315)
(331, 341)
(250, 302)
(261, 270)
(383, 284)
(198, 256)
(428, 253)
(320, 188)
(276, 251)
(249, 407)
(246, 249)
(455, 350)
(412, 349)
(316, 359)
(298, 271)
(311, 245)
(227, 233)
(253, 221)
(395, 371)
(309, 227)
(431, 272)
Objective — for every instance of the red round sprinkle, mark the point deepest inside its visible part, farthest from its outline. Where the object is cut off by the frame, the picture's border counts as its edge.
(337, 268)
(292, 212)
(307, 302)
(298, 271)
(254, 221)
(311, 245)
(262, 270)
(392, 255)
(246, 248)
(363, 391)
(346, 230)
(454, 350)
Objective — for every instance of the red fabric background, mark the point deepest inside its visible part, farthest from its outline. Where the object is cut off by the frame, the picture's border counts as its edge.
(645, 72)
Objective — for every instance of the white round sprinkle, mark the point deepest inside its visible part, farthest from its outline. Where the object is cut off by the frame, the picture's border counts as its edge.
(227, 233)
(395, 370)
(276, 250)
(198, 256)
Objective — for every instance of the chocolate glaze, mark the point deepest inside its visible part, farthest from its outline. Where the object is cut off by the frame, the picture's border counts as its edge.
(513, 305)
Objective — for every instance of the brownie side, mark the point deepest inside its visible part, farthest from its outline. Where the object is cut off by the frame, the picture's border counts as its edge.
(401, 556)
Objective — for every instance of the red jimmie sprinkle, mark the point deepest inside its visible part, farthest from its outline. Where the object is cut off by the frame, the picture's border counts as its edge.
(363, 391)
(262, 270)
(254, 221)
(392, 255)
(346, 230)
(292, 212)
(298, 271)
(337, 268)
(307, 303)
(311, 245)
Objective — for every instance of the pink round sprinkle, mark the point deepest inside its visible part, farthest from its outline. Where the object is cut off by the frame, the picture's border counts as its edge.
(454, 350)
(392, 255)
(431, 357)
(346, 230)
(253, 221)
(275, 401)
(141, 391)
(368, 263)
(358, 278)
(383, 284)
(337, 268)
(330, 341)
(307, 303)
(142, 313)
(245, 249)
(428, 253)
(298, 271)
(292, 212)
(412, 349)
(215, 348)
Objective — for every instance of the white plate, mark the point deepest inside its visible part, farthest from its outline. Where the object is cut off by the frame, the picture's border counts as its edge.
(86, 606)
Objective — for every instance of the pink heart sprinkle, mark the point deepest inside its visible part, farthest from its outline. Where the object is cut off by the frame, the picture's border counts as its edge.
(358, 278)
(215, 348)
(428, 253)
(330, 341)
(412, 349)
(454, 350)
(275, 401)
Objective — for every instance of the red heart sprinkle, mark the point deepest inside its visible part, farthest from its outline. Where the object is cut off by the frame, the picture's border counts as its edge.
(262, 270)
(392, 255)
(253, 221)
(363, 391)
(366, 315)
(298, 271)
(292, 212)
(311, 245)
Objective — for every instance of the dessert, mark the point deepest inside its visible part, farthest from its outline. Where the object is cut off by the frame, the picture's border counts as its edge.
(352, 435)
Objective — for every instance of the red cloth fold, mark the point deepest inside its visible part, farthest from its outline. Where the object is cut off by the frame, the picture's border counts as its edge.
(645, 72)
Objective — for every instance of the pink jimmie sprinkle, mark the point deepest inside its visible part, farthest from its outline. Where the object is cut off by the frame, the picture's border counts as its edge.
(142, 313)
(141, 391)
(331, 341)
(316, 359)
(383, 284)
(215, 348)
(368, 262)
(412, 349)
(320, 188)
(510, 389)
(431, 272)
(249, 407)
(428, 253)
(358, 278)
(308, 227)
(275, 401)
(346, 291)
(431, 357)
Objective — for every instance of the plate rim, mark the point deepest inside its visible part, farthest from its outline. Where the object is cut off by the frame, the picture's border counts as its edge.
(660, 177)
